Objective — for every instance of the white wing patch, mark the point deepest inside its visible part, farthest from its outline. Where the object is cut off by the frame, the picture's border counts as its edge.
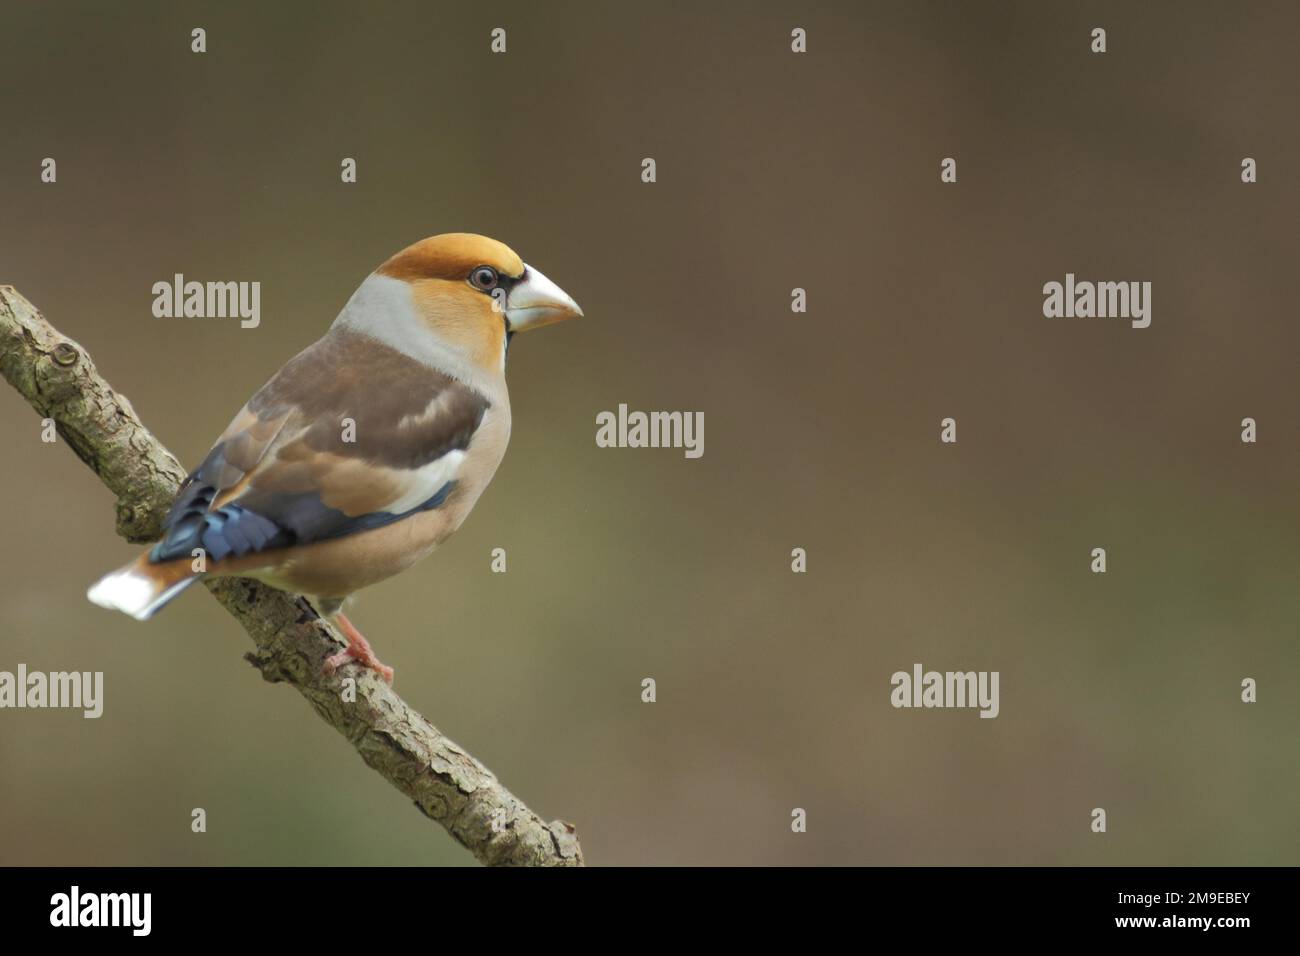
(426, 482)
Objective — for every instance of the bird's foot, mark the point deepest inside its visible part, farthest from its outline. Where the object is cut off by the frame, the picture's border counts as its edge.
(358, 650)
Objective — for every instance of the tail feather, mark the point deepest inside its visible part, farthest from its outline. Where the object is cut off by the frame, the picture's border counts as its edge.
(141, 588)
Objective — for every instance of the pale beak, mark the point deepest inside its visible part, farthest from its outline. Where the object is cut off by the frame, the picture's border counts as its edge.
(536, 301)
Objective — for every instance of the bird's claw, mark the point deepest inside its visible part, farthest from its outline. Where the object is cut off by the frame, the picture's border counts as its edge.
(358, 650)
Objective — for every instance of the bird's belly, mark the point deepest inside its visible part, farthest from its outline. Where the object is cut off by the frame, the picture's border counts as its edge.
(338, 567)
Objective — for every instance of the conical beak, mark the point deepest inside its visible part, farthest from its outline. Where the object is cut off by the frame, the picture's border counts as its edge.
(536, 301)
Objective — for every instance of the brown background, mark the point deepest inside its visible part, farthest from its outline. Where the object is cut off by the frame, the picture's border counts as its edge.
(775, 171)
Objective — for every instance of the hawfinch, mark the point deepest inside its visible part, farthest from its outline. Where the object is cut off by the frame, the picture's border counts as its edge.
(368, 449)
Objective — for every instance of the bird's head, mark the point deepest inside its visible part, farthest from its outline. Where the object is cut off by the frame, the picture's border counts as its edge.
(474, 292)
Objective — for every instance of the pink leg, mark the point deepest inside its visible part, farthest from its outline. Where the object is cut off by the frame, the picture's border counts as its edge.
(358, 650)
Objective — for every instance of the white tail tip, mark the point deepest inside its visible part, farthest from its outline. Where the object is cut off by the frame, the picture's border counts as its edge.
(127, 591)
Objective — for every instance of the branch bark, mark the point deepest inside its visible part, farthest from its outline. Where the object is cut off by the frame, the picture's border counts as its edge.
(291, 641)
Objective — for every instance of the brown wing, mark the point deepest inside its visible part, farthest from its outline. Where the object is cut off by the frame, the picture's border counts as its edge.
(349, 435)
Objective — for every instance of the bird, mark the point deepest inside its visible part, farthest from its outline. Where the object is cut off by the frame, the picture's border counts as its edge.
(367, 450)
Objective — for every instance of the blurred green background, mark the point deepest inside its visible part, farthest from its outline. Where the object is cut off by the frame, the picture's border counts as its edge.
(775, 170)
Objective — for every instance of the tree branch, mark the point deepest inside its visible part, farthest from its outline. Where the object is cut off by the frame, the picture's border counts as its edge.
(447, 784)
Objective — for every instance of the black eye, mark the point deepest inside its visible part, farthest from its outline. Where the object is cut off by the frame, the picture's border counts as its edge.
(484, 278)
